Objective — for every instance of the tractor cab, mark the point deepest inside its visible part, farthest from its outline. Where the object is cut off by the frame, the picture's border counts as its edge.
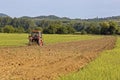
(36, 34)
(36, 37)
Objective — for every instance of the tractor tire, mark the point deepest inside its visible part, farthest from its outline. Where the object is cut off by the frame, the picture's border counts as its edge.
(38, 42)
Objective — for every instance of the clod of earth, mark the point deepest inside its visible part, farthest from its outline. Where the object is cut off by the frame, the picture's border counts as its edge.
(50, 61)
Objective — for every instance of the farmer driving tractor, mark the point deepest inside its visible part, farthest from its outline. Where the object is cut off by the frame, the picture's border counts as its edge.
(36, 37)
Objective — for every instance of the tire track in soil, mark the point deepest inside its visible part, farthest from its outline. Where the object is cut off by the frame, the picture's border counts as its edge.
(51, 61)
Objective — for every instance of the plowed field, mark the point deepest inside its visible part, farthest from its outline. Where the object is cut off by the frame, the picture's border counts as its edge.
(50, 61)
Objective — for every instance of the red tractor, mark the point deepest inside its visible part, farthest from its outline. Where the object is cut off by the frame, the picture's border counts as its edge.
(35, 37)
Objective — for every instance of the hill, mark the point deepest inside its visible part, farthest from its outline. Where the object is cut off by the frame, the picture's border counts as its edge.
(3, 15)
(49, 17)
(53, 17)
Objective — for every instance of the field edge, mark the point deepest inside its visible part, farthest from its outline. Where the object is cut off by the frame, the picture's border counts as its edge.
(105, 67)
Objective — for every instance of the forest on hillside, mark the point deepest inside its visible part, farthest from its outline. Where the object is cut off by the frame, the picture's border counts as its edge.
(56, 25)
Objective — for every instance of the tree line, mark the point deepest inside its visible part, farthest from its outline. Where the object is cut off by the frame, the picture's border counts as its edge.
(104, 27)
(24, 25)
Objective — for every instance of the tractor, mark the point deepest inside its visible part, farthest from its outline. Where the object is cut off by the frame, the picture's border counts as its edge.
(35, 37)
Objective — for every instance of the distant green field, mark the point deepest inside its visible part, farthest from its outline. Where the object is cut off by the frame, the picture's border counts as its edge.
(22, 39)
(105, 67)
(13, 39)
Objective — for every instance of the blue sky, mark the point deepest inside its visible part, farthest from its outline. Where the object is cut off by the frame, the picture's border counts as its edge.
(67, 8)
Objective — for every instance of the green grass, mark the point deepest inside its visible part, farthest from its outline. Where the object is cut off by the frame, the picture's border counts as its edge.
(105, 67)
(66, 38)
(22, 39)
(13, 39)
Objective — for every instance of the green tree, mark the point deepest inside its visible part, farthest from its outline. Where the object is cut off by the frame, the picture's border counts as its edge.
(38, 28)
(1, 30)
(78, 26)
(118, 31)
(62, 30)
(113, 26)
(19, 30)
(71, 30)
(45, 30)
(83, 32)
(93, 28)
(109, 27)
(50, 30)
(9, 29)
(5, 21)
(105, 28)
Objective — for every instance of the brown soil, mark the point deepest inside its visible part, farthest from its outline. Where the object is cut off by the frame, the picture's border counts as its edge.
(50, 61)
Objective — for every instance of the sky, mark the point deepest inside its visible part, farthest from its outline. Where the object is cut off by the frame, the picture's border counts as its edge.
(62, 8)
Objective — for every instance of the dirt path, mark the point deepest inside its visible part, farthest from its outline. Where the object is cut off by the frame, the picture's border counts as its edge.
(49, 62)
